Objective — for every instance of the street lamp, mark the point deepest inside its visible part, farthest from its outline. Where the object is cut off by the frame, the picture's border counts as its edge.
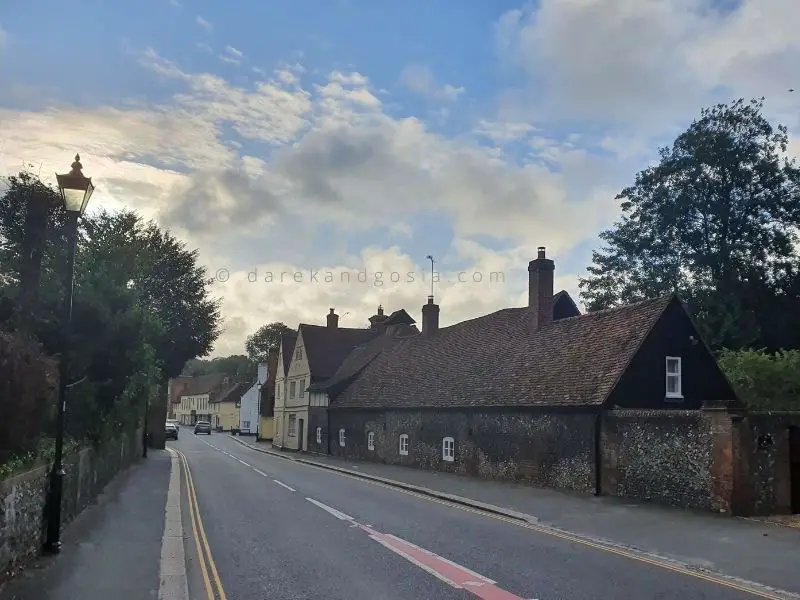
(75, 192)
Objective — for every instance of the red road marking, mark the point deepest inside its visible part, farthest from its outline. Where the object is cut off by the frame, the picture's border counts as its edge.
(448, 571)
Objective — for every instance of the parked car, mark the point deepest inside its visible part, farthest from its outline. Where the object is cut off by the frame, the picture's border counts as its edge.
(174, 422)
(202, 427)
(171, 431)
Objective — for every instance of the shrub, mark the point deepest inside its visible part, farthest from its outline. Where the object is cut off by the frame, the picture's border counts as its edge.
(762, 380)
(28, 390)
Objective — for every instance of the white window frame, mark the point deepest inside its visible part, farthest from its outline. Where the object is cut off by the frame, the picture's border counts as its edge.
(371, 440)
(403, 445)
(342, 438)
(448, 449)
(319, 435)
(292, 429)
(246, 424)
(677, 375)
(301, 390)
(292, 389)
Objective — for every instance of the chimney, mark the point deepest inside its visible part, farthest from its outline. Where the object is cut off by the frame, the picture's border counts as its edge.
(333, 320)
(430, 318)
(377, 322)
(540, 289)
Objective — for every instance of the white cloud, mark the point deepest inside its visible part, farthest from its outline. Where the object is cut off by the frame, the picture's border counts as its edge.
(646, 64)
(340, 164)
(420, 79)
(234, 52)
(203, 23)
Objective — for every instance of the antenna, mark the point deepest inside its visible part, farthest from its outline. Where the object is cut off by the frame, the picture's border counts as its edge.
(430, 258)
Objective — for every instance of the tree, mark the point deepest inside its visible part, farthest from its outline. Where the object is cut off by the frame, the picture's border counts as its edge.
(142, 306)
(716, 220)
(267, 339)
(238, 367)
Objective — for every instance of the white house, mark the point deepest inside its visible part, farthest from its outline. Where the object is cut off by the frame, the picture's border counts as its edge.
(249, 411)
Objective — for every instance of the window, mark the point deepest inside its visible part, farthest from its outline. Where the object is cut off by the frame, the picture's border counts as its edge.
(301, 392)
(245, 424)
(371, 440)
(292, 389)
(319, 435)
(674, 377)
(278, 391)
(341, 438)
(292, 425)
(404, 444)
(298, 354)
(448, 449)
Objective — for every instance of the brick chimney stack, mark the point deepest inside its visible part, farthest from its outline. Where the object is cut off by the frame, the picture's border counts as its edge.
(540, 289)
(430, 318)
(333, 320)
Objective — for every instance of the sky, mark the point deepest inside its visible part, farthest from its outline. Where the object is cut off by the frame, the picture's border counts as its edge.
(305, 147)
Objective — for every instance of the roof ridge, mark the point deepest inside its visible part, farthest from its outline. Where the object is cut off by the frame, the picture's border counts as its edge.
(605, 311)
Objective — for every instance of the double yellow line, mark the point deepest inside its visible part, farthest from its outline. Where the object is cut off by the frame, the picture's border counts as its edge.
(208, 568)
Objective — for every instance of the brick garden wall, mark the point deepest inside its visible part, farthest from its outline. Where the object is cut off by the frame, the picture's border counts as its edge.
(550, 449)
(22, 497)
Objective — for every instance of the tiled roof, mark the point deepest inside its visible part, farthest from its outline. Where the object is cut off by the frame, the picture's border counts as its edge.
(202, 384)
(233, 393)
(498, 360)
(288, 341)
(327, 347)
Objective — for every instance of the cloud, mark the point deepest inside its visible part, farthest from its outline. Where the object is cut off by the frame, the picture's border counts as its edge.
(246, 172)
(203, 23)
(232, 55)
(648, 64)
(420, 79)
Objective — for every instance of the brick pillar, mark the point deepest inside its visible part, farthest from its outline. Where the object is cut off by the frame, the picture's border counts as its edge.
(609, 456)
(720, 429)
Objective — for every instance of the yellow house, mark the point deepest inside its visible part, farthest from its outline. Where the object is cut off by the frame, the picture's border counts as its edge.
(195, 401)
(225, 412)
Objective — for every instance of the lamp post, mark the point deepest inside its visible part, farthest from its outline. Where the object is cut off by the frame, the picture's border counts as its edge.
(75, 191)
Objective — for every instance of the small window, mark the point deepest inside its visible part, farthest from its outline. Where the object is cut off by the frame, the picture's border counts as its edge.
(319, 435)
(299, 354)
(292, 389)
(404, 444)
(371, 440)
(292, 425)
(246, 424)
(341, 438)
(301, 392)
(674, 388)
(448, 449)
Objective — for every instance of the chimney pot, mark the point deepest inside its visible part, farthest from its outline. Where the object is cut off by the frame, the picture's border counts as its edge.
(430, 318)
(333, 320)
(540, 289)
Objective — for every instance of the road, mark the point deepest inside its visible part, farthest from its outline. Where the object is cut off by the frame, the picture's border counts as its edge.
(277, 529)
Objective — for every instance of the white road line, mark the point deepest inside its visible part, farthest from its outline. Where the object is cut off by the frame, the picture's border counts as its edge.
(172, 569)
(284, 485)
(259, 472)
(241, 461)
(336, 513)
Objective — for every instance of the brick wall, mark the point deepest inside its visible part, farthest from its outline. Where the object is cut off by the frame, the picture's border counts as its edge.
(22, 497)
(552, 449)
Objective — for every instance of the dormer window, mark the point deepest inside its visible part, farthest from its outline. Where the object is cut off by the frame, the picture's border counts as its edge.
(674, 378)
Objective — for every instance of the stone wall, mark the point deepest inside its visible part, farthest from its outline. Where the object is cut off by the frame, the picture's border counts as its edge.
(663, 456)
(552, 449)
(22, 497)
(763, 457)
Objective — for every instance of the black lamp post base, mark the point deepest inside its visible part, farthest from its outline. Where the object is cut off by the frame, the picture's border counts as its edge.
(52, 548)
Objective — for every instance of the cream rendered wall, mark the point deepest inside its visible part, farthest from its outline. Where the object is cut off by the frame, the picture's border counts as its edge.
(280, 378)
(298, 406)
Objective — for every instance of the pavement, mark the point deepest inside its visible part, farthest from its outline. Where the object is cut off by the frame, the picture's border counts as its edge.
(112, 549)
(223, 520)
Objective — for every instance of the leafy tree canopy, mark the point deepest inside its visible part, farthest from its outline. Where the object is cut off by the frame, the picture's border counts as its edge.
(715, 220)
(238, 367)
(267, 339)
